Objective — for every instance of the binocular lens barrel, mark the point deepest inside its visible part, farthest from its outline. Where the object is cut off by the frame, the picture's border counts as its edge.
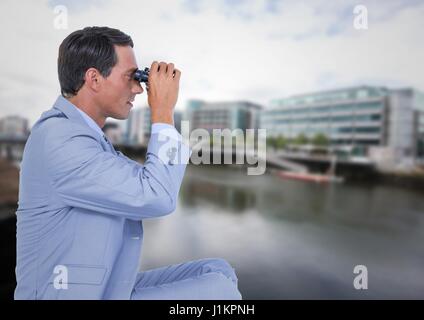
(142, 75)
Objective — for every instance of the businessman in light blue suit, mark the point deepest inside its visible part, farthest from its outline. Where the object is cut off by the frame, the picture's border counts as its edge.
(81, 203)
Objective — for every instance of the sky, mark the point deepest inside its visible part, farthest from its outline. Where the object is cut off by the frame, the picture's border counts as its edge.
(226, 50)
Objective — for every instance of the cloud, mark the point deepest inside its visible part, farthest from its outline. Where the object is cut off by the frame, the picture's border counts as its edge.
(250, 50)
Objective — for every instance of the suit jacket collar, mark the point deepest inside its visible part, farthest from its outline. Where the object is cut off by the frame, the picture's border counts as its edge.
(71, 112)
(68, 109)
(65, 107)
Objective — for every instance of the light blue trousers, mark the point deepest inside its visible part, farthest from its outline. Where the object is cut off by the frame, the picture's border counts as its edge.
(206, 279)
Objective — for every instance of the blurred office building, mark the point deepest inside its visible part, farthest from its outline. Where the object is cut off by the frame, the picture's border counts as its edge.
(221, 115)
(14, 126)
(138, 126)
(14, 132)
(178, 117)
(114, 132)
(389, 124)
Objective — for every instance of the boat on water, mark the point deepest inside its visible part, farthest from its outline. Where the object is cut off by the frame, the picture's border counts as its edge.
(328, 177)
(310, 177)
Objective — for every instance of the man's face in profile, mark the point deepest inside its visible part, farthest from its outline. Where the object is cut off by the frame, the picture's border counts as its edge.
(119, 88)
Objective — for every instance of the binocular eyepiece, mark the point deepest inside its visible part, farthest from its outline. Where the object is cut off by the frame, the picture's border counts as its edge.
(142, 75)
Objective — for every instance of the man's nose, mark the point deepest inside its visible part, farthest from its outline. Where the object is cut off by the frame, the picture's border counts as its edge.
(137, 88)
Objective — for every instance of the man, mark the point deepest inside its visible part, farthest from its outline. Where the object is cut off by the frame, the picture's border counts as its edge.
(81, 203)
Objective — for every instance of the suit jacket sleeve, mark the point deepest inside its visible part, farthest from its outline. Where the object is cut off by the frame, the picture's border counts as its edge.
(83, 175)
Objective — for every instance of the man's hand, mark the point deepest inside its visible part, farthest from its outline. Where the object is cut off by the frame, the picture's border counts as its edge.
(164, 81)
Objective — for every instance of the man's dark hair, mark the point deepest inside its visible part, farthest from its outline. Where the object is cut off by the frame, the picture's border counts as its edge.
(91, 47)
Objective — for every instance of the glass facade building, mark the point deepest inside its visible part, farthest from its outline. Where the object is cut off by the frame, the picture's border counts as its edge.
(364, 115)
(348, 116)
(221, 115)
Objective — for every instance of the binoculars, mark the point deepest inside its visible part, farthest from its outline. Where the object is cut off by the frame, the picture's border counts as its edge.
(142, 75)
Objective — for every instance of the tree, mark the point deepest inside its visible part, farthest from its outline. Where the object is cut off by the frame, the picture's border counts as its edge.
(281, 142)
(320, 139)
(271, 142)
(301, 139)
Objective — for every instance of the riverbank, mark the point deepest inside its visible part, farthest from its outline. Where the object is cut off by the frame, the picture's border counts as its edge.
(9, 181)
(412, 179)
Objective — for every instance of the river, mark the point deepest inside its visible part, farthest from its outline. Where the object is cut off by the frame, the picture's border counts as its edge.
(289, 239)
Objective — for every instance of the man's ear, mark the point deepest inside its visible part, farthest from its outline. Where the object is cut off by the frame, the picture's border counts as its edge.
(93, 79)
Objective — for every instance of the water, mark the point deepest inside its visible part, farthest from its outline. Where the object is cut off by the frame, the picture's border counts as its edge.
(289, 239)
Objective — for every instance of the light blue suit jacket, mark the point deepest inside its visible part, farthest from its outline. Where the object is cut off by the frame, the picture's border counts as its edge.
(81, 206)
